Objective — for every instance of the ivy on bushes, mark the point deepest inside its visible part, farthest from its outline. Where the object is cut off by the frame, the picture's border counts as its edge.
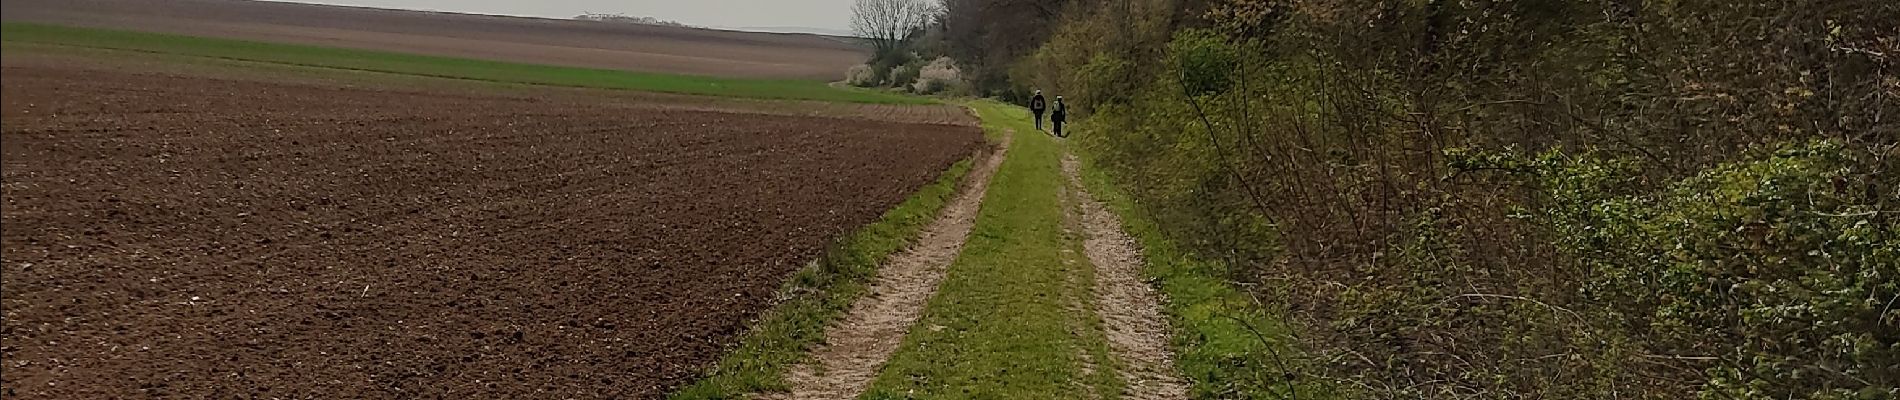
(1780, 269)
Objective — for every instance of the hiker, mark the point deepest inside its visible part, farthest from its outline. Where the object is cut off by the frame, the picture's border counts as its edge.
(1058, 115)
(1036, 106)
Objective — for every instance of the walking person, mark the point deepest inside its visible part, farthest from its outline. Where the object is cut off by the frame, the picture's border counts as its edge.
(1058, 115)
(1036, 106)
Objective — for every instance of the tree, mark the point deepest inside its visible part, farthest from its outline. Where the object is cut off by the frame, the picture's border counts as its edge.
(887, 23)
(988, 36)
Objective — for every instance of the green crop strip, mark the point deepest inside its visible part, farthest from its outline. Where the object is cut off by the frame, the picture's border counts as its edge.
(440, 67)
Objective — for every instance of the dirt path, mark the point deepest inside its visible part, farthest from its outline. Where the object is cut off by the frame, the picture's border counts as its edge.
(1130, 310)
(1079, 290)
(859, 344)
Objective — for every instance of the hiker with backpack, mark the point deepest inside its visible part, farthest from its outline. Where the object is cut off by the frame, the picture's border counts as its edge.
(1058, 115)
(1036, 106)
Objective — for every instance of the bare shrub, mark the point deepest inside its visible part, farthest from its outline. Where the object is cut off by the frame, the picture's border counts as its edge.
(860, 75)
(937, 76)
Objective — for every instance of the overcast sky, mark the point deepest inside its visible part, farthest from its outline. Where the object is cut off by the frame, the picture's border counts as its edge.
(824, 14)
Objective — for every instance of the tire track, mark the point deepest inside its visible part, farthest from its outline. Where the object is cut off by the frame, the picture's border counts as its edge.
(1130, 309)
(859, 345)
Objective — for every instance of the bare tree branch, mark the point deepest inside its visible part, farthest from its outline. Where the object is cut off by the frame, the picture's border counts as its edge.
(887, 23)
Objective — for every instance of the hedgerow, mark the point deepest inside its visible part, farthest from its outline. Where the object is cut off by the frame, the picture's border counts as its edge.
(1531, 199)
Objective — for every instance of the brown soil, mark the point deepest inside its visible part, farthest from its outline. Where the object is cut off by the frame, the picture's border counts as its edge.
(860, 343)
(533, 40)
(55, 57)
(1130, 310)
(200, 238)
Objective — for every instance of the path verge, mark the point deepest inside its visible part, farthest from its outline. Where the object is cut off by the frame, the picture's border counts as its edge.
(822, 292)
(856, 347)
(1227, 343)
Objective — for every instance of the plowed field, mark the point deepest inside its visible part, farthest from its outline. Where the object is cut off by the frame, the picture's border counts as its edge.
(203, 238)
(531, 40)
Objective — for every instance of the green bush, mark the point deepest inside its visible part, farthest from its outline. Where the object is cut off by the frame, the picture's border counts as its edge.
(935, 86)
(903, 76)
(885, 68)
(1781, 264)
(1206, 62)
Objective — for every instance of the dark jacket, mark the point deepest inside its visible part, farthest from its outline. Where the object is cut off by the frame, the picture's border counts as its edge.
(1061, 113)
(1037, 104)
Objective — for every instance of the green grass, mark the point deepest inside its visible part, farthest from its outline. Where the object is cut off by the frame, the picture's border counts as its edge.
(441, 67)
(819, 294)
(1226, 343)
(1003, 324)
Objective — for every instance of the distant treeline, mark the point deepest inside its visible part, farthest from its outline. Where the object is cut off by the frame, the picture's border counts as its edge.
(628, 19)
(1576, 199)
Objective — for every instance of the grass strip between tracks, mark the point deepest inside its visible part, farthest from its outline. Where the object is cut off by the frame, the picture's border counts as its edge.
(819, 294)
(1011, 319)
(441, 67)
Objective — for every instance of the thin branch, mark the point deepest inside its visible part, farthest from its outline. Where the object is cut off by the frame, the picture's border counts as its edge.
(1293, 391)
(1221, 152)
(1573, 314)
